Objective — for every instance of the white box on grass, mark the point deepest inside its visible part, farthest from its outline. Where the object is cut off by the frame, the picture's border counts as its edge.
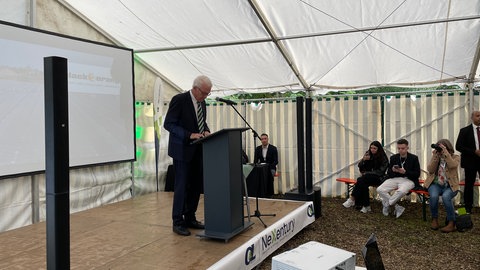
(314, 255)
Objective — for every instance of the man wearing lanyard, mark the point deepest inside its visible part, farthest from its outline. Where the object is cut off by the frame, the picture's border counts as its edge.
(402, 175)
(468, 144)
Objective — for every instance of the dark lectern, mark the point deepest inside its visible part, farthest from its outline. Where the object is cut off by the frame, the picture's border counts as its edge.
(223, 184)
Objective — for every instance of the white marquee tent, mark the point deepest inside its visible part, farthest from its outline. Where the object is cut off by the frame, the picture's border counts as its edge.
(267, 46)
(279, 45)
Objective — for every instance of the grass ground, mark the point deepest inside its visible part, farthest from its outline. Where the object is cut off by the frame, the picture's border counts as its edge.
(404, 243)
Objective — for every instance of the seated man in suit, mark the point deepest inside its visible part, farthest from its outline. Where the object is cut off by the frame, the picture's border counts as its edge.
(267, 153)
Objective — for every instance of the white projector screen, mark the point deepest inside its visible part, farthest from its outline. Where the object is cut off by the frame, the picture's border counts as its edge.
(100, 100)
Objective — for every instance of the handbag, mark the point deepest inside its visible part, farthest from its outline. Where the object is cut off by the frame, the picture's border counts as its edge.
(463, 222)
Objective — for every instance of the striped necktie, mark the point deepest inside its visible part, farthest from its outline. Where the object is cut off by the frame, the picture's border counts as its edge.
(200, 120)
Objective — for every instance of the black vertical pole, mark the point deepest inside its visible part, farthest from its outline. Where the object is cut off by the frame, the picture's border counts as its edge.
(300, 146)
(57, 163)
(308, 144)
(382, 120)
(308, 193)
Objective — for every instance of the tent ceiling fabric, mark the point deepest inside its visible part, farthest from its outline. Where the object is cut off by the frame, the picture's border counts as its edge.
(281, 45)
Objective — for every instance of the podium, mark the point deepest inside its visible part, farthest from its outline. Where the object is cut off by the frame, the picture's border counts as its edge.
(222, 184)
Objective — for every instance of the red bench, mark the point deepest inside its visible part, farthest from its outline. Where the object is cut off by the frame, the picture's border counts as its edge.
(422, 194)
(475, 184)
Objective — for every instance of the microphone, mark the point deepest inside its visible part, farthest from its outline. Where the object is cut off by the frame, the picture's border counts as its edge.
(226, 101)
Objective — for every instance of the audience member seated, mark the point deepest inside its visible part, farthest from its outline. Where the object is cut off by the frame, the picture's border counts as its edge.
(373, 166)
(442, 180)
(267, 153)
(402, 176)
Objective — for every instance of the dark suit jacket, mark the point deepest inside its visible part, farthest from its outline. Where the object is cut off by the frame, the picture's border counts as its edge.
(181, 122)
(271, 158)
(466, 145)
(411, 166)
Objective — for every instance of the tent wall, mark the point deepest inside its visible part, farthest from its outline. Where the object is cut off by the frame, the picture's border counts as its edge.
(53, 16)
(145, 179)
(344, 127)
(22, 199)
(278, 120)
(15, 203)
(342, 131)
(144, 169)
(16, 11)
(94, 186)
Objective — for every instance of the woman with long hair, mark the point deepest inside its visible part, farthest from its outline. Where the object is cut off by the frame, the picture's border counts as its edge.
(372, 167)
(442, 180)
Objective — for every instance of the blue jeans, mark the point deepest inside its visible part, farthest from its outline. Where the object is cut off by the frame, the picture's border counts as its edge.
(447, 194)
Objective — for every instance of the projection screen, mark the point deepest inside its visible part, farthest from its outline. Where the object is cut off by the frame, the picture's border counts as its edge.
(100, 100)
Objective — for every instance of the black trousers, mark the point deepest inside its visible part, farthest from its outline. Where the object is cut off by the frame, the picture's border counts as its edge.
(360, 191)
(187, 189)
(470, 176)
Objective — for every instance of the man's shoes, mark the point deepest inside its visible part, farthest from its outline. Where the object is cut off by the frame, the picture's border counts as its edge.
(181, 230)
(399, 210)
(349, 203)
(385, 210)
(195, 224)
(366, 209)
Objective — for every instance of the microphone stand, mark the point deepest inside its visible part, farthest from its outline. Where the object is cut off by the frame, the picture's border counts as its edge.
(257, 213)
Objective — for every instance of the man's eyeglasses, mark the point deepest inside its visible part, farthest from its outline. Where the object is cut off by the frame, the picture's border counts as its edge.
(203, 93)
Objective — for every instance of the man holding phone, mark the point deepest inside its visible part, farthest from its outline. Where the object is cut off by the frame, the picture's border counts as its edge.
(402, 175)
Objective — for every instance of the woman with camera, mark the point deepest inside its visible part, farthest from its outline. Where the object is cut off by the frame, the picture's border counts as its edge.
(372, 166)
(442, 180)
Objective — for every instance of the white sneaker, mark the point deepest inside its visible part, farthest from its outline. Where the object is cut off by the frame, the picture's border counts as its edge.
(349, 203)
(399, 210)
(366, 209)
(385, 210)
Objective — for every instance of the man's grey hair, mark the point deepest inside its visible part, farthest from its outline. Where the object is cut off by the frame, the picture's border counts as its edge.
(201, 80)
